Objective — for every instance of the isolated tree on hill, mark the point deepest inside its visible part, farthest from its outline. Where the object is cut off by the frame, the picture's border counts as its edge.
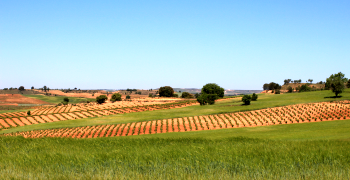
(254, 97)
(212, 88)
(101, 99)
(187, 95)
(310, 80)
(21, 88)
(127, 97)
(205, 99)
(336, 83)
(116, 97)
(166, 91)
(32, 87)
(246, 99)
(44, 88)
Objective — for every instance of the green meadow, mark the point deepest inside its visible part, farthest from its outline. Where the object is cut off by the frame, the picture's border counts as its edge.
(318, 150)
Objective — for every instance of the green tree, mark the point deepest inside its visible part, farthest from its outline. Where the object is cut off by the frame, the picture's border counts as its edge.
(290, 89)
(336, 82)
(28, 113)
(44, 88)
(166, 91)
(246, 99)
(205, 99)
(212, 88)
(150, 95)
(116, 97)
(127, 97)
(21, 88)
(348, 84)
(101, 99)
(32, 87)
(187, 95)
(304, 88)
(254, 97)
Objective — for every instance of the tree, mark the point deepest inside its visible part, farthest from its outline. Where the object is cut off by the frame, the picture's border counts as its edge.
(205, 99)
(196, 95)
(28, 113)
(66, 99)
(271, 86)
(310, 80)
(32, 87)
(212, 88)
(266, 86)
(44, 88)
(348, 84)
(176, 95)
(21, 88)
(116, 97)
(166, 91)
(48, 89)
(254, 97)
(304, 88)
(101, 99)
(290, 89)
(187, 95)
(287, 81)
(150, 95)
(127, 97)
(336, 82)
(246, 99)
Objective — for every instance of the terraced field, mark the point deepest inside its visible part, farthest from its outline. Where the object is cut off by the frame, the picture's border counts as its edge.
(301, 113)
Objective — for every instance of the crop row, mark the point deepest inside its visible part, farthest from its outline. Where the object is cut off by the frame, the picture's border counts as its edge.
(272, 116)
(12, 120)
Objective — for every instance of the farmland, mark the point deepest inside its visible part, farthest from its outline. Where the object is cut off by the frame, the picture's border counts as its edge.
(288, 136)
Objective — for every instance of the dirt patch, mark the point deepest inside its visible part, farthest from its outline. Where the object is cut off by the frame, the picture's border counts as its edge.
(18, 99)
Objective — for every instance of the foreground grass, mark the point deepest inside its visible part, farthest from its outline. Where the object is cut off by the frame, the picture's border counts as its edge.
(58, 99)
(233, 105)
(218, 154)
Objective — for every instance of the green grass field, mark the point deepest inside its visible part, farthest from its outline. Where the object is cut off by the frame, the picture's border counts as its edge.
(58, 99)
(318, 150)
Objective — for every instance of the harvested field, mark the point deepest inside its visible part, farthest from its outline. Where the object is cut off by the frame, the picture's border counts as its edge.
(301, 113)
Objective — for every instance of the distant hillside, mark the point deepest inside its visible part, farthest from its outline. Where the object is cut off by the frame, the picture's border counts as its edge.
(294, 85)
(227, 92)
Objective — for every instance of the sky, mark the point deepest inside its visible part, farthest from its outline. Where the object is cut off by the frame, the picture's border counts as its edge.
(183, 44)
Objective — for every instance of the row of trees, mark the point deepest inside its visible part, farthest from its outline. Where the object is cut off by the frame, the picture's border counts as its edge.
(287, 81)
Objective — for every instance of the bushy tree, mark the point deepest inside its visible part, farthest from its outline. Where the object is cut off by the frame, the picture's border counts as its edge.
(290, 89)
(101, 99)
(277, 91)
(66, 99)
(196, 95)
(287, 81)
(187, 95)
(44, 88)
(246, 99)
(205, 99)
(212, 88)
(304, 88)
(21, 88)
(348, 84)
(266, 86)
(271, 86)
(32, 87)
(254, 97)
(166, 91)
(127, 97)
(150, 95)
(116, 97)
(336, 82)
(28, 113)
(176, 95)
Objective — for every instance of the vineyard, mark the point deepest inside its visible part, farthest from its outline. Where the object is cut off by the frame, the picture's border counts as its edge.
(69, 112)
(301, 113)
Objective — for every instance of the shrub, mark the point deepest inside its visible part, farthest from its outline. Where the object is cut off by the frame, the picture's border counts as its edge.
(28, 113)
(21, 88)
(101, 99)
(6, 88)
(246, 99)
(254, 97)
(66, 99)
(212, 88)
(196, 95)
(127, 97)
(116, 97)
(187, 95)
(175, 95)
(304, 88)
(150, 95)
(277, 91)
(64, 102)
(290, 89)
(166, 91)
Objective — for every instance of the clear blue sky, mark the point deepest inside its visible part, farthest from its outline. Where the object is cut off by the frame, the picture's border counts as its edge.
(184, 44)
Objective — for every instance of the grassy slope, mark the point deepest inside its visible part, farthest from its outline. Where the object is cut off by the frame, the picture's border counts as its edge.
(58, 99)
(264, 101)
